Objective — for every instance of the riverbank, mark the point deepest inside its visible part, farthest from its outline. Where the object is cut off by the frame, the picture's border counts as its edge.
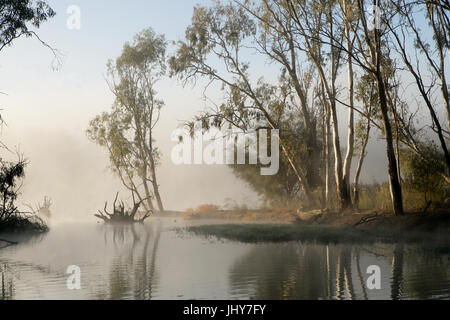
(23, 224)
(324, 227)
(425, 221)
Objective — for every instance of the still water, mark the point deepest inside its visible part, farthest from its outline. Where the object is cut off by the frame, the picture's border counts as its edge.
(157, 261)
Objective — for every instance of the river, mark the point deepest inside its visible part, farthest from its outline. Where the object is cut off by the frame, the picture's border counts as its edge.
(158, 260)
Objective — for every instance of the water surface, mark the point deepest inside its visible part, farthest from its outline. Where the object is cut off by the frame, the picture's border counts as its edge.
(157, 261)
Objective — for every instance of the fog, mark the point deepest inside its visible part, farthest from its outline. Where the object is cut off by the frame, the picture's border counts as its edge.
(75, 173)
(47, 112)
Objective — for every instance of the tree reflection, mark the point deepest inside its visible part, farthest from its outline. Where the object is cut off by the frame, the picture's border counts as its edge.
(132, 273)
(282, 271)
(397, 271)
(307, 271)
(426, 275)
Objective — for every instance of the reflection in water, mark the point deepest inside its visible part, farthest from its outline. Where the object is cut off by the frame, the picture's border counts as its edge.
(133, 267)
(310, 271)
(153, 261)
(397, 271)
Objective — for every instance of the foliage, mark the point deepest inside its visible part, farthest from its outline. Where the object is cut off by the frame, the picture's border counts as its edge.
(17, 16)
(293, 36)
(11, 218)
(10, 173)
(127, 130)
(424, 174)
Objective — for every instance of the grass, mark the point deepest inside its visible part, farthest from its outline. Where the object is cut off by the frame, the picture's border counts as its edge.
(377, 197)
(201, 211)
(213, 212)
(263, 233)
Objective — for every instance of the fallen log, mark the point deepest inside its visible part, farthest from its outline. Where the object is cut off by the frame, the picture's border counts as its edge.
(120, 215)
(367, 219)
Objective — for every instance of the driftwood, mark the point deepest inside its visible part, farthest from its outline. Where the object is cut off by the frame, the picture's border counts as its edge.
(119, 215)
(41, 209)
(367, 219)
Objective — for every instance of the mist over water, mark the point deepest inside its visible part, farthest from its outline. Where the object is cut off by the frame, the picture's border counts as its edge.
(75, 174)
(156, 261)
(256, 77)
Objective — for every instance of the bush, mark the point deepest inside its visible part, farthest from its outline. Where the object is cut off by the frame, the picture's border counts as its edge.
(11, 219)
(424, 176)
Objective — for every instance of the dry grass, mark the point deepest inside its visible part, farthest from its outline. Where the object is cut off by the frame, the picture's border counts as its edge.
(377, 197)
(210, 211)
(201, 211)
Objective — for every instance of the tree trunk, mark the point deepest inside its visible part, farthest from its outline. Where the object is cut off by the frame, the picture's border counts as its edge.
(341, 187)
(394, 182)
(376, 57)
(327, 156)
(351, 112)
(301, 178)
(362, 156)
(148, 194)
(153, 172)
(155, 185)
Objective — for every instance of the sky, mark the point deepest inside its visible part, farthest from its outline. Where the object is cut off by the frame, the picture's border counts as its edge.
(47, 111)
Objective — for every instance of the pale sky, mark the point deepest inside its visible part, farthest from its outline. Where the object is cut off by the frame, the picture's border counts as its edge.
(47, 111)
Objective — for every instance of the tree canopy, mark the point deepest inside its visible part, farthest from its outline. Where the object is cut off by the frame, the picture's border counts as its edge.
(17, 17)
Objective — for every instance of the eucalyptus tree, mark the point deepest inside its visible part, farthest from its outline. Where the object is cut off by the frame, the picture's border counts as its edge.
(127, 131)
(215, 47)
(427, 64)
(368, 53)
(437, 13)
(374, 42)
(317, 31)
(18, 17)
(276, 41)
(366, 93)
(349, 17)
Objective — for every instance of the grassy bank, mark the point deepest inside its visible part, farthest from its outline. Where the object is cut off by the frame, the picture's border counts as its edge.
(261, 233)
(338, 228)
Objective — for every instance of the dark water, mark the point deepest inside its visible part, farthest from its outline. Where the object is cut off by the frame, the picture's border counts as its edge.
(154, 261)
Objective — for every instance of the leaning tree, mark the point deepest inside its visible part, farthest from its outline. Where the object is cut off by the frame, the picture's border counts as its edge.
(126, 131)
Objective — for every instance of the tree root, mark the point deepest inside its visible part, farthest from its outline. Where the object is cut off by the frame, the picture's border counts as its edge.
(119, 215)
